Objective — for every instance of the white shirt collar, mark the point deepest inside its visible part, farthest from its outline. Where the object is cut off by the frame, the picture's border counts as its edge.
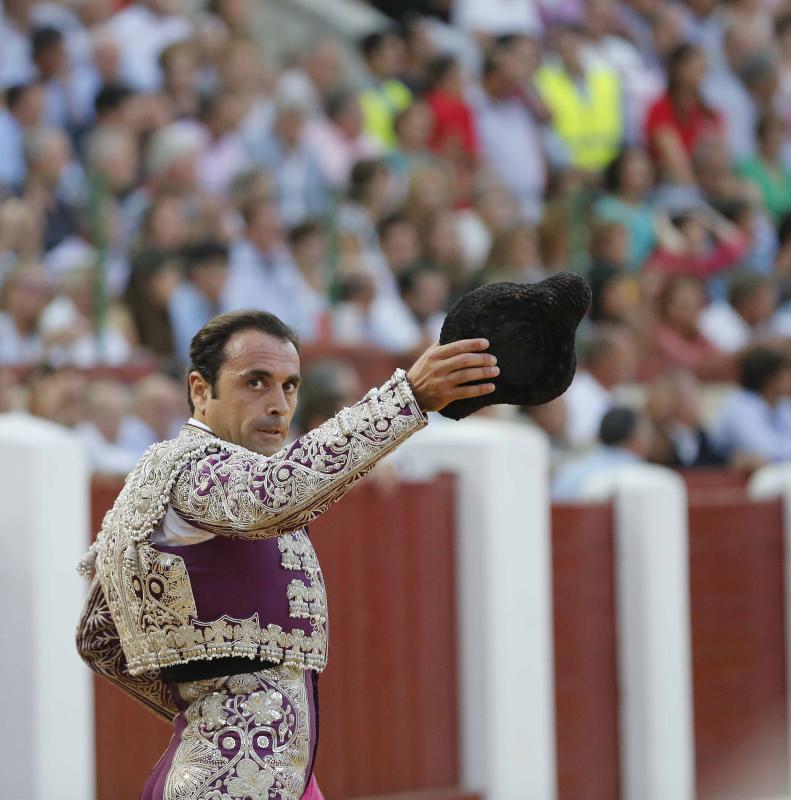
(198, 424)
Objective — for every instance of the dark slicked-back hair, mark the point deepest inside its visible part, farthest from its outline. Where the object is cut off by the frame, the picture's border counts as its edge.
(760, 365)
(207, 349)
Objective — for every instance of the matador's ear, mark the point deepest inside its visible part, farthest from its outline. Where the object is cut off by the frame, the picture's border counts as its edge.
(531, 329)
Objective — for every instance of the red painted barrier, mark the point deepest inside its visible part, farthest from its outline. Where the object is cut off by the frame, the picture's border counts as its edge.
(388, 698)
(738, 648)
(586, 691)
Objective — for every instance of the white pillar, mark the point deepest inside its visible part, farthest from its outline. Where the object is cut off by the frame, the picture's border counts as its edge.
(653, 634)
(47, 740)
(504, 601)
(775, 481)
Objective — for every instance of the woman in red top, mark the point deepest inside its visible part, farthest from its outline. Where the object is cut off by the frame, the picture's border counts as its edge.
(680, 120)
(676, 340)
(454, 135)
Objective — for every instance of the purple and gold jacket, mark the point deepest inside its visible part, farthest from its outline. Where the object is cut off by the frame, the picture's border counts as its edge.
(256, 588)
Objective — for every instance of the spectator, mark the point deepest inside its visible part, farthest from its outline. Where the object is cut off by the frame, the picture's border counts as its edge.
(425, 292)
(263, 274)
(707, 243)
(767, 171)
(386, 96)
(48, 52)
(453, 134)
(615, 296)
(628, 181)
(20, 235)
(679, 121)
(100, 431)
(74, 333)
(165, 226)
(317, 76)
(681, 441)
(551, 418)
(198, 297)
(159, 409)
(25, 295)
(609, 361)
(154, 279)
(24, 109)
(327, 387)
(299, 185)
(114, 106)
(180, 67)
(746, 317)
(222, 155)
(58, 395)
(143, 30)
(609, 245)
(584, 101)
(337, 140)
(755, 420)
(676, 337)
(48, 156)
(510, 137)
(412, 128)
(625, 439)
(398, 237)
(513, 257)
(308, 244)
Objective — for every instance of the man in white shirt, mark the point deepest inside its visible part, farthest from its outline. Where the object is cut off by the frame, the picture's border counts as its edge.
(143, 30)
(27, 292)
(610, 360)
(748, 315)
(263, 274)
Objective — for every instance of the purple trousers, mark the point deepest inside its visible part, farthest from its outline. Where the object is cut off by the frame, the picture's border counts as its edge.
(242, 737)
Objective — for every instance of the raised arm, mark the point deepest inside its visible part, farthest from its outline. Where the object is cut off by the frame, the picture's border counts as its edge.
(99, 646)
(240, 493)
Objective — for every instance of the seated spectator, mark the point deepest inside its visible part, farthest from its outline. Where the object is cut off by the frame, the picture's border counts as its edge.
(628, 180)
(425, 291)
(755, 420)
(615, 296)
(609, 360)
(337, 139)
(317, 74)
(584, 99)
(510, 136)
(73, 334)
(23, 111)
(386, 96)
(24, 297)
(327, 387)
(263, 274)
(453, 135)
(48, 155)
(676, 339)
(20, 235)
(706, 244)
(767, 171)
(198, 297)
(308, 243)
(164, 225)
(441, 245)
(143, 30)
(222, 156)
(48, 52)
(398, 238)
(512, 257)
(155, 277)
(299, 184)
(551, 418)
(680, 120)
(159, 409)
(180, 69)
(413, 132)
(100, 431)
(609, 245)
(625, 439)
(748, 315)
(58, 395)
(681, 441)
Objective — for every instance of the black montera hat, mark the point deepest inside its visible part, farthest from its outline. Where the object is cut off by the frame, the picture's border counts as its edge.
(531, 330)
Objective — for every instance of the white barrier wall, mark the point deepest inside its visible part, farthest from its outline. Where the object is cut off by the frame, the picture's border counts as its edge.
(775, 481)
(654, 650)
(47, 742)
(504, 600)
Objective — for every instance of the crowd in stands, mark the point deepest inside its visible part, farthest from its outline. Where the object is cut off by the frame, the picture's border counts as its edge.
(158, 166)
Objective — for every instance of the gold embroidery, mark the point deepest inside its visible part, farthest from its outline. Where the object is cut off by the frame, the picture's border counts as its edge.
(229, 490)
(247, 736)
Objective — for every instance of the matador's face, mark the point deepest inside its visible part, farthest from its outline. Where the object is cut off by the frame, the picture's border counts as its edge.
(254, 397)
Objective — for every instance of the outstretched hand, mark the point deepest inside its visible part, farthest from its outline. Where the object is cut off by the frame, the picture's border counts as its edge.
(438, 376)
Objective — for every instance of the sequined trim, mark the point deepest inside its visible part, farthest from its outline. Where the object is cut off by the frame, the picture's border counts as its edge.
(226, 489)
(247, 736)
